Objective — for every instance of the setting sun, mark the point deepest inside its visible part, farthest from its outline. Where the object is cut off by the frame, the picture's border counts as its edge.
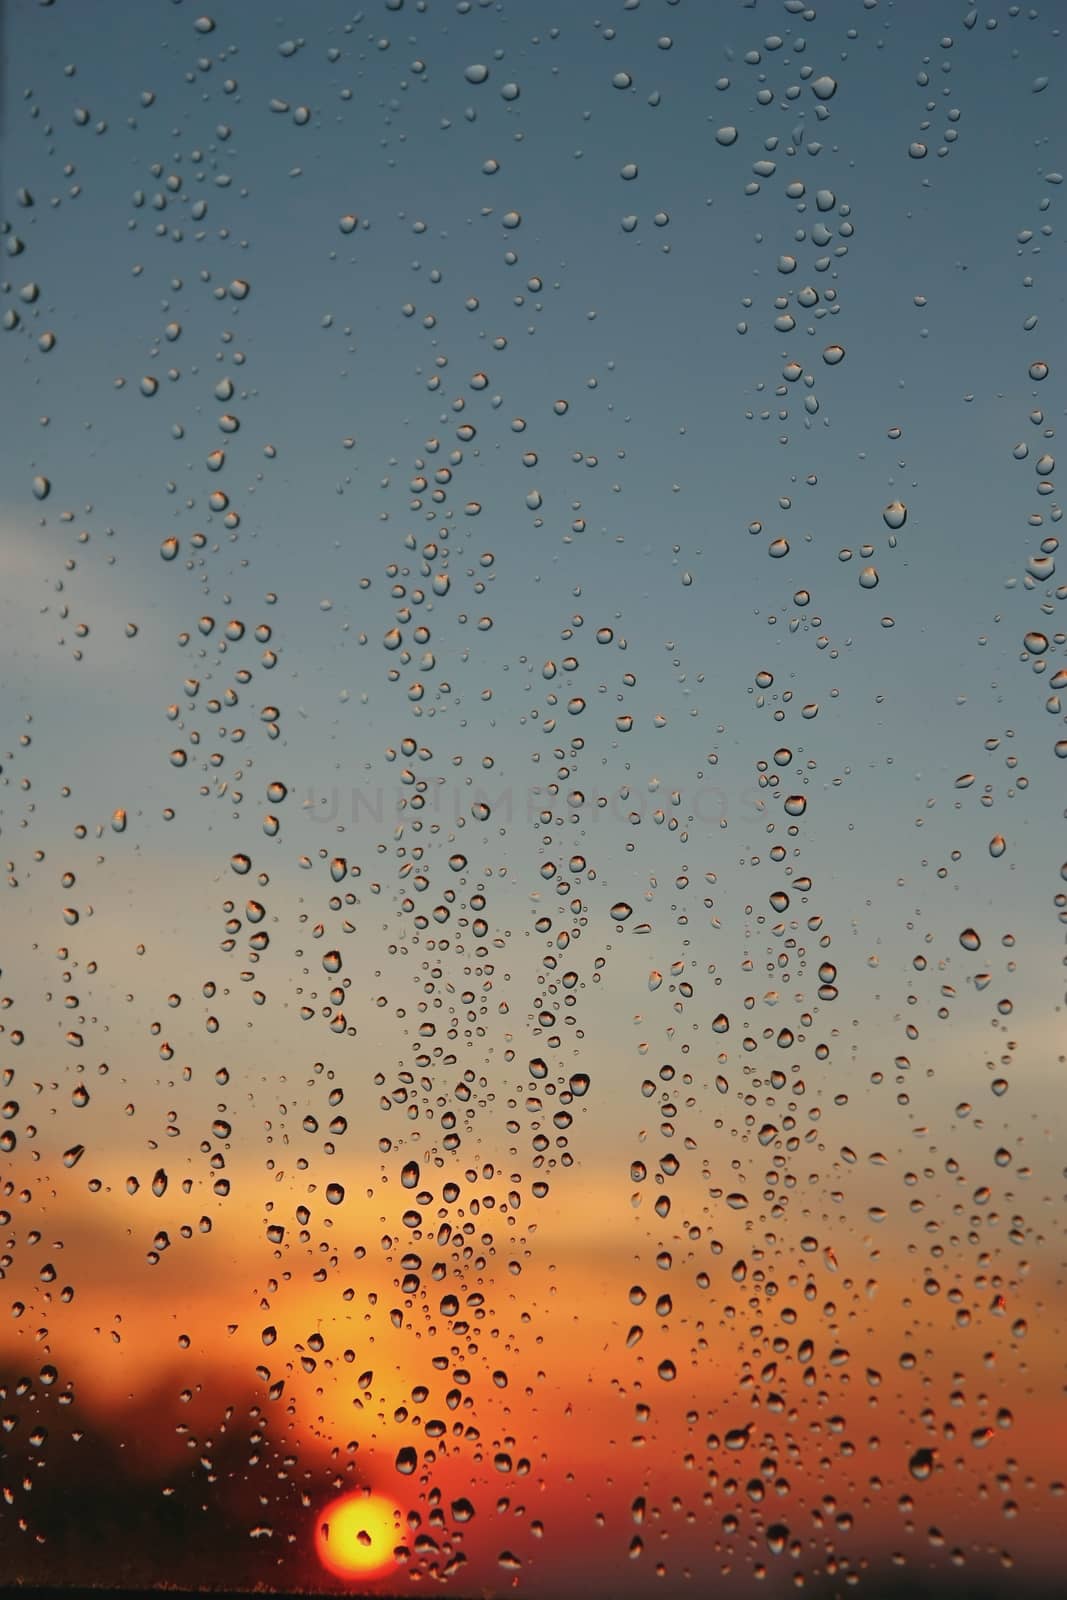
(356, 1534)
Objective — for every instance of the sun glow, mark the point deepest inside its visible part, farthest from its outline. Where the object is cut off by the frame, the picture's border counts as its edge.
(356, 1534)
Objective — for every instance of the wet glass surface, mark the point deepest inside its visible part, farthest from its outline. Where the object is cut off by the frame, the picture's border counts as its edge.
(532, 795)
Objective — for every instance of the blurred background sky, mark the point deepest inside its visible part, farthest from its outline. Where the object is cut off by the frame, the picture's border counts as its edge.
(639, 418)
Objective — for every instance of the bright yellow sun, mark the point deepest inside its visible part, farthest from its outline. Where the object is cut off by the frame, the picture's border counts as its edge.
(356, 1534)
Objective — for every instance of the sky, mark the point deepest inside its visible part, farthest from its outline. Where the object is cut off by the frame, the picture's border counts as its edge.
(532, 795)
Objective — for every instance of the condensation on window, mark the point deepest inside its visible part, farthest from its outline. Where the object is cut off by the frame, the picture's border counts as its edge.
(532, 782)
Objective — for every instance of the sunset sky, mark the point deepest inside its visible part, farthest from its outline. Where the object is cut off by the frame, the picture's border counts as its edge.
(531, 987)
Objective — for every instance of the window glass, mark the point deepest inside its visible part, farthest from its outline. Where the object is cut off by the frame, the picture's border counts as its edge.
(533, 778)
